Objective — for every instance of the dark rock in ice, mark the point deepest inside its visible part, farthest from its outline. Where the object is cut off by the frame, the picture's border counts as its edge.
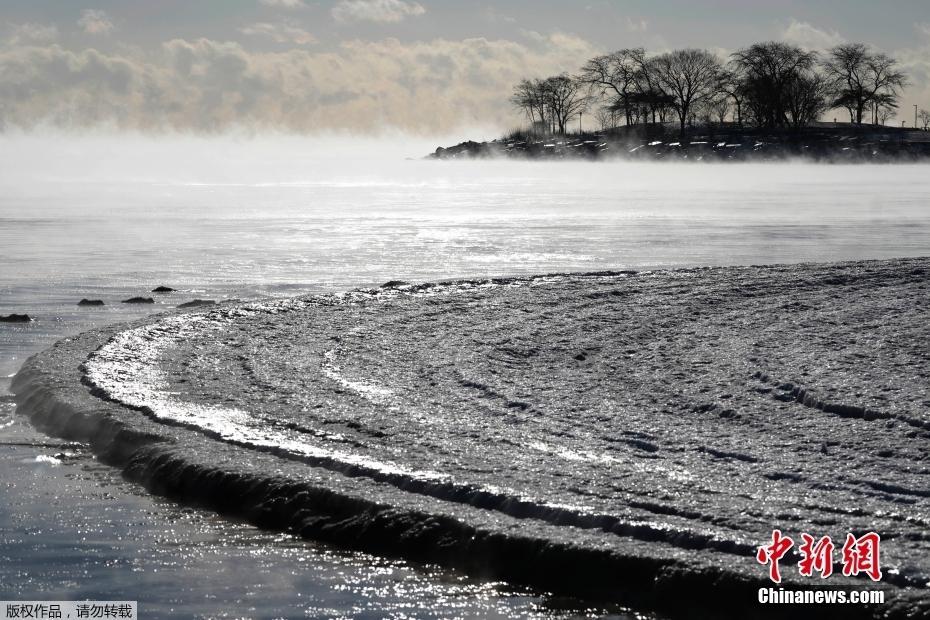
(197, 303)
(91, 302)
(15, 318)
(139, 300)
(394, 284)
(163, 289)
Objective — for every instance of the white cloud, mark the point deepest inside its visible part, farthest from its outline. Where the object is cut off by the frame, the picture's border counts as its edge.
(284, 4)
(533, 36)
(494, 16)
(281, 32)
(723, 54)
(95, 22)
(376, 10)
(810, 37)
(32, 33)
(426, 87)
(639, 25)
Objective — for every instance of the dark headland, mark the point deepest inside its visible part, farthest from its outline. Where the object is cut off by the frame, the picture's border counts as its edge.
(628, 436)
(824, 142)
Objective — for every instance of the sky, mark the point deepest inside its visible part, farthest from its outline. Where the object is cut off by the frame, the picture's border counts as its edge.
(425, 67)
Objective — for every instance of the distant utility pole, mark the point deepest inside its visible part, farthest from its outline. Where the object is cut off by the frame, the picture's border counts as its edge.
(915, 116)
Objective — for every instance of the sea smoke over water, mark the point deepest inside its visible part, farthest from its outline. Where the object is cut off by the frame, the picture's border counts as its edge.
(346, 211)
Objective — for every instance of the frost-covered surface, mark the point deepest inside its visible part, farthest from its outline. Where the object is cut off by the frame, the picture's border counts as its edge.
(665, 416)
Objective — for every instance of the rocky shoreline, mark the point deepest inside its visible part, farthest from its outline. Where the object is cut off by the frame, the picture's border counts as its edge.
(624, 436)
(868, 145)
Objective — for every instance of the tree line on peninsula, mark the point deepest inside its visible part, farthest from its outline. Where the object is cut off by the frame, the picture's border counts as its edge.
(770, 85)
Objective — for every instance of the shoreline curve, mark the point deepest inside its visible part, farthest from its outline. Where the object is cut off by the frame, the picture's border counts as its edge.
(357, 512)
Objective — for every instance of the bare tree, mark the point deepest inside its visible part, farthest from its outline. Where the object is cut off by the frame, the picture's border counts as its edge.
(615, 75)
(862, 77)
(770, 84)
(565, 98)
(690, 77)
(924, 117)
(885, 114)
(606, 117)
(806, 98)
(844, 100)
(767, 71)
(883, 107)
(719, 107)
(732, 84)
(649, 96)
(529, 96)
